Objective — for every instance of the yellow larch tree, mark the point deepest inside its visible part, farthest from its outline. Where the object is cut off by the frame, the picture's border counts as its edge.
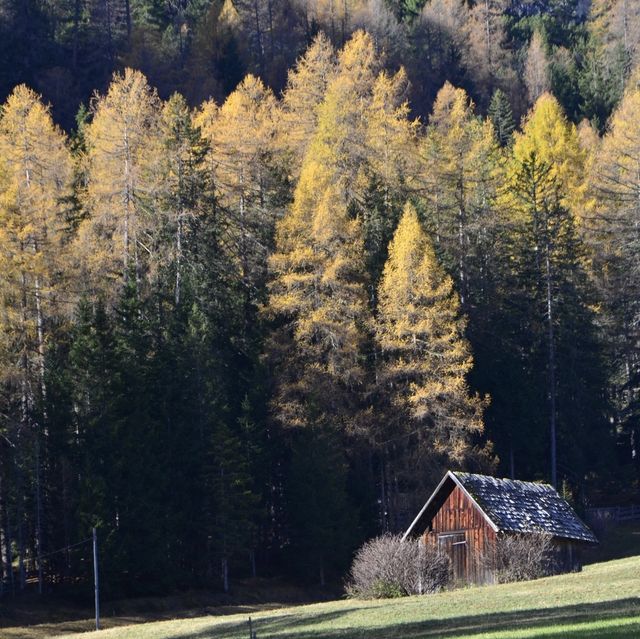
(341, 136)
(616, 169)
(35, 179)
(544, 199)
(549, 137)
(306, 87)
(318, 293)
(460, 173)
(615, 242)
(615, 191)
(318, 287)
(391, 137)
(114, 240)
(363, 122)
(425, 356)
(36, 172)
(332, 242)
(391, 144)
(243, 160)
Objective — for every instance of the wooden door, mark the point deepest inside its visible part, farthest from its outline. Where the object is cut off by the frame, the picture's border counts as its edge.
(455, 545)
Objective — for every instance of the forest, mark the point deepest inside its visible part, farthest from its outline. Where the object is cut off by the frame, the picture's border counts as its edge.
(270, 267)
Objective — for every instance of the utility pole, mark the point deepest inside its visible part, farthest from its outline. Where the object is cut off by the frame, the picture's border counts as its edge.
(96, 584)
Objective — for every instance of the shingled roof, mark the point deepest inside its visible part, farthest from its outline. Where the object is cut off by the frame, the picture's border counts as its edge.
(509, 506)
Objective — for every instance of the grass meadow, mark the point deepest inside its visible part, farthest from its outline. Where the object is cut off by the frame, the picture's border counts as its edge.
(603, 601)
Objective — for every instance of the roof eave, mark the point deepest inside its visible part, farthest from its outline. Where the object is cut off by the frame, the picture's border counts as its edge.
(426, 505)
(514, 531)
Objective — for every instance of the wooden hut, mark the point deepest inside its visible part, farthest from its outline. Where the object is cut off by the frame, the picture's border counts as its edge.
(467, 513)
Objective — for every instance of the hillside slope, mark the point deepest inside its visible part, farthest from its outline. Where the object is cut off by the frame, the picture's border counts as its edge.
(602, 601)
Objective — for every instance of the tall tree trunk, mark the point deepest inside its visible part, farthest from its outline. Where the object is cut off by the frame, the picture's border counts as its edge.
(178, 257)
(462, 241)
(5, 565)
(551, 356)
(25, 407)
(181, 213)
(22, 574)
(38, 471)
(271, 30)
(127, 9)
(256, 12)
(225, 574)
(383, 496)
(127, 197)
(110, 49)
(76, 34)
(8, 550)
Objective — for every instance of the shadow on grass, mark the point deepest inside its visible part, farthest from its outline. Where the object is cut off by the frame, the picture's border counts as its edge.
(314, 626)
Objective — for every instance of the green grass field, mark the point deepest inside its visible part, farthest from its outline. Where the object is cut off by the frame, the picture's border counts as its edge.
(602, 601)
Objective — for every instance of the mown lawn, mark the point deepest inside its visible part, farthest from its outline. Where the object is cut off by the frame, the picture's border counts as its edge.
(602, 601)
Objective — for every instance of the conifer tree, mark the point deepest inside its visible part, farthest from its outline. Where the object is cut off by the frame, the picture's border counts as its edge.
(318, 269)
(231, 502)
(392, 165)
(425, 356)
(544, 179)
(35, 170)
(460, 174)
(241, 136)
(501, 117)
(95, 387)
(186, 188)
(322, 525)
(610, 224)
(553, 140)
(306, 88)
(120, 184)
(319, 289)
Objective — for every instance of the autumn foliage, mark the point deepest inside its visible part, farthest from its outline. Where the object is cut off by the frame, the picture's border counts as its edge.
(243, 336)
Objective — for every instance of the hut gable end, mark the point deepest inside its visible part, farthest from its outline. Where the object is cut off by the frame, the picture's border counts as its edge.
(459, 512)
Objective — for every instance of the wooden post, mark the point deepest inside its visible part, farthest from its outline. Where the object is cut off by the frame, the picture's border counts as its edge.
(96, 583)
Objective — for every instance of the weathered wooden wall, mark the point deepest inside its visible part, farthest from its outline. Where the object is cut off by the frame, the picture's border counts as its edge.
(464, 534)
(567, 556)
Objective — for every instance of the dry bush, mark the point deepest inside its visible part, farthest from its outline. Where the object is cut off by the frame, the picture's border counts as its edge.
(521, 557)
(389, 567)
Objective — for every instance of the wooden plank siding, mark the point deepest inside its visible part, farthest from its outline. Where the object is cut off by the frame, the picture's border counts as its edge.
(460, 515)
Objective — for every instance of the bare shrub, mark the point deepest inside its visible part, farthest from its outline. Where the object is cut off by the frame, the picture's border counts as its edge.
(387, 567)
(521, 557)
